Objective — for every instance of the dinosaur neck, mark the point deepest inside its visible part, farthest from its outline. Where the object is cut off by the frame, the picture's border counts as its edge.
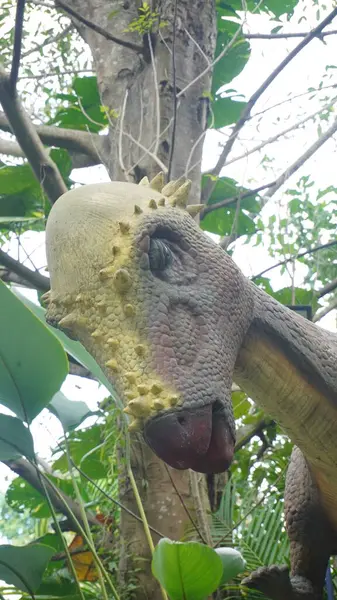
(288, 365)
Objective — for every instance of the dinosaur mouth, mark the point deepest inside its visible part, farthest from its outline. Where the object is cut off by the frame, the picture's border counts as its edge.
(198, 439)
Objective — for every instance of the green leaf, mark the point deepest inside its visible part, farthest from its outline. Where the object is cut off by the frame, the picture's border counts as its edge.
(234, 59)
(70, 413)
(24, 566)
(75, 349)
(15, 439)
(33, 364)
(21, 496)
(189, 570)
(233, 563)
(221, 220)
(225, 111)
(84, 111)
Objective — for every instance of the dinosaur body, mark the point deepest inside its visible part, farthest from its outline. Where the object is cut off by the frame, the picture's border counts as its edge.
(171, 320)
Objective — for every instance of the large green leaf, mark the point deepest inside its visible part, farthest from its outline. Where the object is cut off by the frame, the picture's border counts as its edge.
(187, 571)
(234, 59)
(221, 220)
(33, 364)
(70, 413)
(24, 566)
(75, 349)
(83, 107)
(87, 450)
(20, 195)
(225, 111)
(15, 439)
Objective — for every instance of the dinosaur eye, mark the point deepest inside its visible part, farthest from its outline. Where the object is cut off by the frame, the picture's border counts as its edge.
(160, 255)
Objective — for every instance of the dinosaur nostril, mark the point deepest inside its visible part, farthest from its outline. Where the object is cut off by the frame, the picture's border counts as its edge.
(181, 420)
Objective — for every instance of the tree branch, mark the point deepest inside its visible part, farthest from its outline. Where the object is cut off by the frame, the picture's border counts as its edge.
(255, 97)
(300, 161)
(18, 29)
(282, 36)
(257, 430)
(233, 200)
(44, 168)
(60, 501)
(78, 160)
(319, 315)
(51, 40)
(275, 137)
(70, 139)
(34, 278)
(70, 11)
(295, 257)
(273, 186)
(329, 287)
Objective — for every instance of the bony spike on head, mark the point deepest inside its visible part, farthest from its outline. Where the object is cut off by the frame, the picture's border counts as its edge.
(153, 204)
(144, 181)
(112, 364)
(138, 408)
(140, 349)
(106, 273)
(161, 201)
(194, 209)
(158, 404)
(124, 227)
(113, 343)
(129, 310)
(172, 186)
(142, 389)
(137, 210)
(180, 197)
(157, 183)
(122, 280)
(156, 389)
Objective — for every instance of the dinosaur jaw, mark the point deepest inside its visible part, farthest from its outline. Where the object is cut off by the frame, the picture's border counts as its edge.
(197, 439)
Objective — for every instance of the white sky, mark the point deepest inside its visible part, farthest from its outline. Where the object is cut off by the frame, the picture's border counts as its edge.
(305, 71)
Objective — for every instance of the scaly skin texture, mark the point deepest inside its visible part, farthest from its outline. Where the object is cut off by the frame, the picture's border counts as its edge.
(171, 320)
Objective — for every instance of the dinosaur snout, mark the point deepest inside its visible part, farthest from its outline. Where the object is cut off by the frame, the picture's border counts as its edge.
(191, 439)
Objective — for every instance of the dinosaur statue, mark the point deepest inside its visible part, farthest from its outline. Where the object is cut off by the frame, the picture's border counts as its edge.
(172, 320)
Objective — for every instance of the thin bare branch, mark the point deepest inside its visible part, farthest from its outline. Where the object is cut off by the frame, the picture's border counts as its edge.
(327, 289)
(215, 61)
(108, 36)
(282, 36)
(255, 97)
(300, 161)
(70, 139)
(34, 278)
(20, 11)
(175, 99)
(44, 168)
(156, 91)
(112, 499)
(275, 137)
(295, 256)
(48, 41)
(325, 311)
(233, 200)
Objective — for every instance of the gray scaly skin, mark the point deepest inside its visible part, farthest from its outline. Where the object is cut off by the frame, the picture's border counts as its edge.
(172, 320)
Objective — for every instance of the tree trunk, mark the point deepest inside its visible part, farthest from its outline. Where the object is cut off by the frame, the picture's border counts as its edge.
(141, 88)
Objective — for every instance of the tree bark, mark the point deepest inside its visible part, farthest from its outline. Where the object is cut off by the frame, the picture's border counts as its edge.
(142, 88)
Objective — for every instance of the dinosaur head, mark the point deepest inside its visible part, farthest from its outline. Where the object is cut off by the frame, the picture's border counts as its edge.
(159, 305)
